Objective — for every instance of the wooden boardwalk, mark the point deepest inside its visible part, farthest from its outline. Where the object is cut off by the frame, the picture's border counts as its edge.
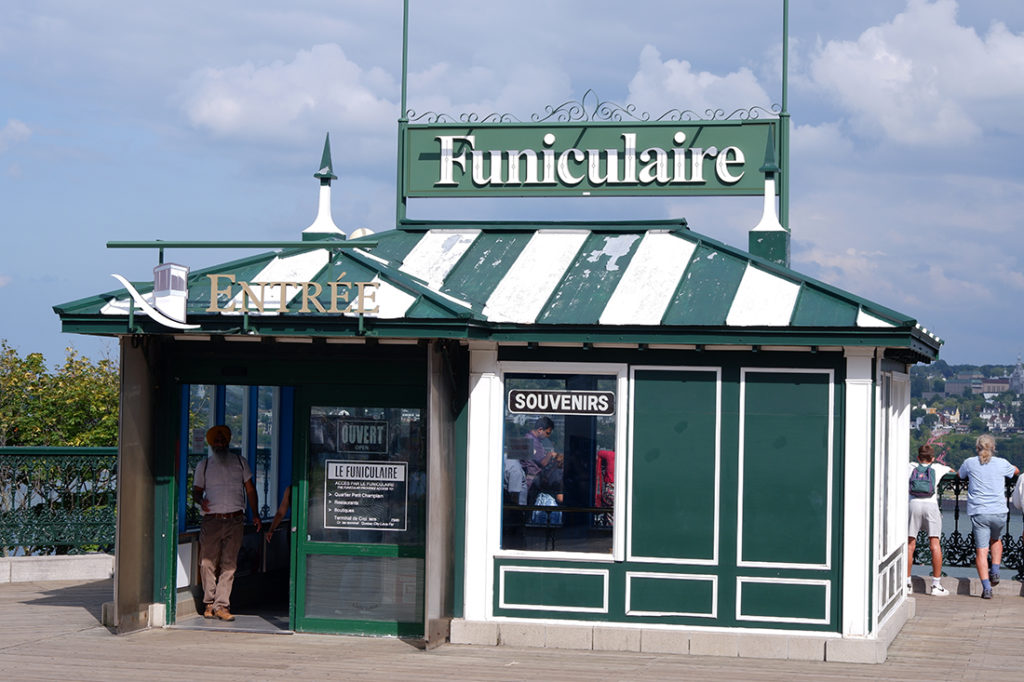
(51, 631)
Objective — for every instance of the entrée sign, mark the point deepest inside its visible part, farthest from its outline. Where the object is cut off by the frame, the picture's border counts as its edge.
(274, 296)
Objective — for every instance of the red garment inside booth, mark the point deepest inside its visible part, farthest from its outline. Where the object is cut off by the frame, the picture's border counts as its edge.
(605, 475)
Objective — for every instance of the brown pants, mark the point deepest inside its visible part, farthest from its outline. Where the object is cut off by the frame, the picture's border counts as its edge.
(219, 542)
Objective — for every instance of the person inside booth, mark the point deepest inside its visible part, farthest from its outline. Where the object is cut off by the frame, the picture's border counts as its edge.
(221, 487)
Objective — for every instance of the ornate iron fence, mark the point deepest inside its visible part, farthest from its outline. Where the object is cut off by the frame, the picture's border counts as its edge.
(958, 547)
(57, 500)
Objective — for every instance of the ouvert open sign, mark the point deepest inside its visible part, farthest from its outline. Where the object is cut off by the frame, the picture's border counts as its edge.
(679, 157)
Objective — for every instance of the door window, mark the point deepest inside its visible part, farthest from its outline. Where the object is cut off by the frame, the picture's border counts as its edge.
(366, 476)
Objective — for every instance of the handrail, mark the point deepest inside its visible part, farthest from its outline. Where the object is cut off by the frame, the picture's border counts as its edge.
(958, 548)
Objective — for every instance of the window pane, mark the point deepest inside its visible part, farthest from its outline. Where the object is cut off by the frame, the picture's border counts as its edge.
(265, 473)
(364, 588)
(200, 418)
(558, 452)
(234, 413)
(367, 475)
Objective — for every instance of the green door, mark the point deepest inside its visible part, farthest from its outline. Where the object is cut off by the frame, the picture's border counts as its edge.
(361, 498)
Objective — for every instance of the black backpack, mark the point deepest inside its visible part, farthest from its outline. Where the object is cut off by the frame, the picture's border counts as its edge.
(922, 481)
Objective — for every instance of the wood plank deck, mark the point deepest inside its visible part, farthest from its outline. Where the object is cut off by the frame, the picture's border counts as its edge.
(51, 631)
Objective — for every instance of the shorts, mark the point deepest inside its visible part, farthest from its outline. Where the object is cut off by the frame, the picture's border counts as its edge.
(924, 513)
(987, 527)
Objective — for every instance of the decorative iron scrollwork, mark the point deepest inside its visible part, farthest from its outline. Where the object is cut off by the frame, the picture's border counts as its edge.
(591, 108)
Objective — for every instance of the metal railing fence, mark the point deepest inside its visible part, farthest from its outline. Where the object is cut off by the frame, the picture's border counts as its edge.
(958, 546)
(57, 500)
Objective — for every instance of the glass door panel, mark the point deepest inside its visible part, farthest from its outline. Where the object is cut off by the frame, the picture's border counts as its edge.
(363, 535)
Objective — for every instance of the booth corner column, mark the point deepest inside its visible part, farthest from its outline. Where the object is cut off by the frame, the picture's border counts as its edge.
(483, 438)
(441, 464)
(857, 491)
(133, 555)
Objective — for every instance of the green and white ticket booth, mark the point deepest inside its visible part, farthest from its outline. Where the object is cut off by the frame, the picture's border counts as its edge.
(732, 435)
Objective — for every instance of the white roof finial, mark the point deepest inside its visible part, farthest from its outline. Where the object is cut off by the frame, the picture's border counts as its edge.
(323, 225)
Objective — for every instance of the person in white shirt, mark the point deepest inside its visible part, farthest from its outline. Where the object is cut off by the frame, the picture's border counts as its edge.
(924, 513)
(222, 484)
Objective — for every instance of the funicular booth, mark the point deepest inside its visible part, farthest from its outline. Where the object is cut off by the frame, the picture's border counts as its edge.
(600, 435)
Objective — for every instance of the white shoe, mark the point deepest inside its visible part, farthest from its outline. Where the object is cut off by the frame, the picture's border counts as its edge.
(939, 591)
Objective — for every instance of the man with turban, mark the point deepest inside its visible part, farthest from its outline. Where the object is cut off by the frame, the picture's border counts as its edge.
(221, 486)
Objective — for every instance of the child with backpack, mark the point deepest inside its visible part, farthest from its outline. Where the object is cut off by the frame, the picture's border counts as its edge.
(925, 475)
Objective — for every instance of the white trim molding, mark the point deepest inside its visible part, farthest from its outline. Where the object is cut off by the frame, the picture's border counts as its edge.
(857, 454)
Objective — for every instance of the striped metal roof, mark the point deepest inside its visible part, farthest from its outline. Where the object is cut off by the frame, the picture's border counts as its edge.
(595, 277)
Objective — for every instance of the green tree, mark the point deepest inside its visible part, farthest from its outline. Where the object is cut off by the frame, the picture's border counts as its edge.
(918, 384)
(75, 405)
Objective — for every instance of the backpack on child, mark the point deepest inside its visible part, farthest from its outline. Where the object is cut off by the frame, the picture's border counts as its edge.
(922, 481)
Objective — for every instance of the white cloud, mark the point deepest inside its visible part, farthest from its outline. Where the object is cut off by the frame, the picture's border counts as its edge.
(820, 141)
(659, 85)
(13, 132)
(519, 89)
(320, 88)
(922, 78)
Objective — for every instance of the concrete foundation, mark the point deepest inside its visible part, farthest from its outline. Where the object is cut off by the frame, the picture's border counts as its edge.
(784, 645)
(27, 569)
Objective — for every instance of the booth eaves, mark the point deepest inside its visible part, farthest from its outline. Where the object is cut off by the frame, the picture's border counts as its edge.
(643, 282)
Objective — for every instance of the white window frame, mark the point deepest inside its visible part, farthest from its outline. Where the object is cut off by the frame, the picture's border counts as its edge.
(620, 372)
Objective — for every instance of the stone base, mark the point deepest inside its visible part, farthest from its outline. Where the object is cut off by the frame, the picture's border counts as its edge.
(30, 569)
(968, 586)
(665, 640)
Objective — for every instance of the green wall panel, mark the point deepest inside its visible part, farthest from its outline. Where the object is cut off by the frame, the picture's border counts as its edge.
(785, 468)
(674, 465)
(671, 595)
(783, 601)
(565, 589)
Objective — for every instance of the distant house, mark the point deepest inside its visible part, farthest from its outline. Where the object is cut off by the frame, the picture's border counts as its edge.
(996, 419)
(950, 417)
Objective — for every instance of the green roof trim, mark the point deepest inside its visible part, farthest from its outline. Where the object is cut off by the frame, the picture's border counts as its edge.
(589, 282)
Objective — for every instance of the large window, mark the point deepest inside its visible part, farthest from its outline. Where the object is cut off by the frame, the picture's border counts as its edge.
(253, 413)
(558, 462)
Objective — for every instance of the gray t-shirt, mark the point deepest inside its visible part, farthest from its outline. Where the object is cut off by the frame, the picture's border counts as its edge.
(222, 476)
(986, 487)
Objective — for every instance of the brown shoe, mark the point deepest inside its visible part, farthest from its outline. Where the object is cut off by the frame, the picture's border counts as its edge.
(208, 613)
(223, 614)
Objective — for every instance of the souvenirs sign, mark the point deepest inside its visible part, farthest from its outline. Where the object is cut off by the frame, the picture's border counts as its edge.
(596, 158)
(594, 403)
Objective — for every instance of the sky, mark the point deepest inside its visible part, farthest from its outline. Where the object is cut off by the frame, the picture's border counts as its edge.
(205, 121)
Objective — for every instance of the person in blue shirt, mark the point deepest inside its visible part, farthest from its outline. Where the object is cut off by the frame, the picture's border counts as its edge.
(986, 505)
